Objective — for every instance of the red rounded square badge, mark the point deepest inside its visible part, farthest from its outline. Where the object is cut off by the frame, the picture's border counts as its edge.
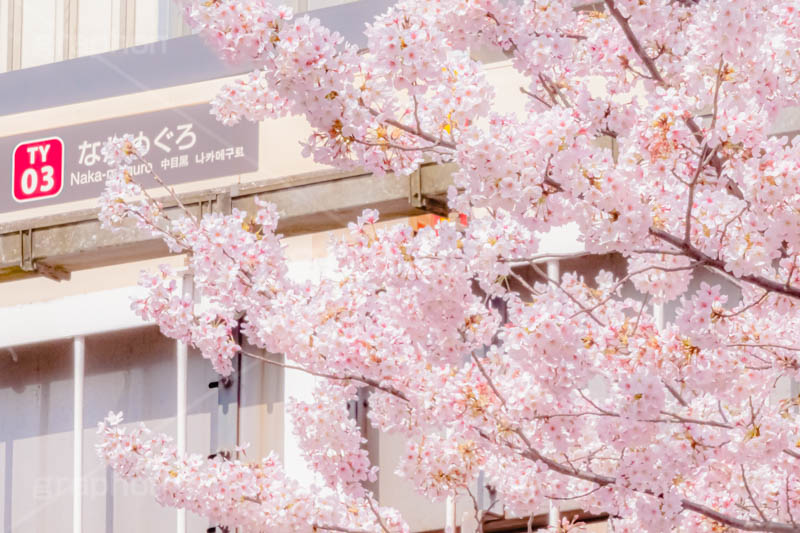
(37, 169)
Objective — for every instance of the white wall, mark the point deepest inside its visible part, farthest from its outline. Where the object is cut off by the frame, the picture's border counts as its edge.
(146, 28)
(5, 35)
(40, 32)
(98, 22)
(35, 432)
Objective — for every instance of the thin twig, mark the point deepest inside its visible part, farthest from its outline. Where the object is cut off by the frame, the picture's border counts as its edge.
(750, 494)
(675, 394)
(377, 514)
(361, 379)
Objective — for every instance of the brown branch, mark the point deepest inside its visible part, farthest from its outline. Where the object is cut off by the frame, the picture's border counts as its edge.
(750, 306)
(339, 529)
(650, 64)
(675, 394)
(738, 523)
(765, 346)
(788, 504)
(377, 515)
(535, 97)
(792, 453)
(533, 454)
(696, 254)
(567, 498)
(639, 316)
(360, 379)
(574, 300)
(705, 156)
(395, 146)
(489, 380)
(750, 495)
(623, 280)
(322, 527)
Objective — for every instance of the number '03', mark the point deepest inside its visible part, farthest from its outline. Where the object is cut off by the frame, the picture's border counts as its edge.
(30, 180)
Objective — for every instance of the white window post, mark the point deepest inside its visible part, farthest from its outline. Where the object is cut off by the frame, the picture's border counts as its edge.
(554, 516)
(79, 359)
(182, 361)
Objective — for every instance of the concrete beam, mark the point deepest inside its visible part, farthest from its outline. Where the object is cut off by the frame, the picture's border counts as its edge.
(54, 246)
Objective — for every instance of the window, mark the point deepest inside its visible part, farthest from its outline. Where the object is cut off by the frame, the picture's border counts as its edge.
(42, 31)
(98, 26)
(35, 438)
(5, 34)
(38, 32)
(149, 24)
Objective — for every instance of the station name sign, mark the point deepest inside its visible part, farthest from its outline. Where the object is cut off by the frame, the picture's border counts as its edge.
(183, 144)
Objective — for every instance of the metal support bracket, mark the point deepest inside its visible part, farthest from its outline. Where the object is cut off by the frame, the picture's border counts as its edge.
(436, 206)
(415, 189)
(204, 207)
(223, 203)
(418, 199)
(28, 264)
(26, 250)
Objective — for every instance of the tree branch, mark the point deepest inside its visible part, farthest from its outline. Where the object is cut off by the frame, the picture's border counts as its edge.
(360, 379)
(695, 253)
(650, 64)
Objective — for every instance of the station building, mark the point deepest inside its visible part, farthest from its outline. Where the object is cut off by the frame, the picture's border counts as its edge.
(73, 73)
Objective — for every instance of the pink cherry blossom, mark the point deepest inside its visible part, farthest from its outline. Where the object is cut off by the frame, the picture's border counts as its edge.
(486, 367)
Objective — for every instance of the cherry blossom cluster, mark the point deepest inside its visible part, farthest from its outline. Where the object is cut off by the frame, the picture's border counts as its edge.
(231, 492)
(651, 389)
(331, 439)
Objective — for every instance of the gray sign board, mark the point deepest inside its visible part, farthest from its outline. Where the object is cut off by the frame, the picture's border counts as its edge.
(183, 144)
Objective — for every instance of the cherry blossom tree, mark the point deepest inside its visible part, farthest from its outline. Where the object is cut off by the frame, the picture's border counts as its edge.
(553, 389)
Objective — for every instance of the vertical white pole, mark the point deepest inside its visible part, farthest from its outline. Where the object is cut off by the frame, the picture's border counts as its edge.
(553, 270)
(658, 315)
(554, 517)
(59, 52)
(117, 25)
(79, 348)
(450, 518)
(182, 360)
